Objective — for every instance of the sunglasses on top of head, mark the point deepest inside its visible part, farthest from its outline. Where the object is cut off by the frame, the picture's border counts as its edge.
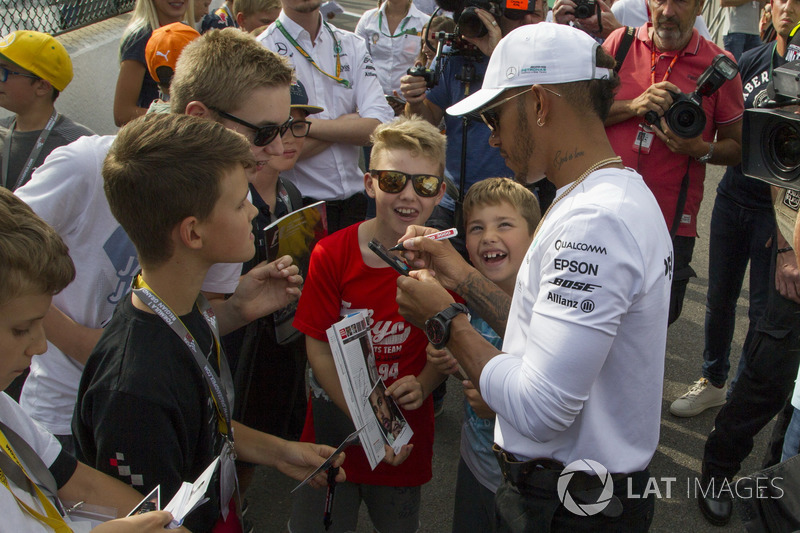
(394, 181)
(266, 134)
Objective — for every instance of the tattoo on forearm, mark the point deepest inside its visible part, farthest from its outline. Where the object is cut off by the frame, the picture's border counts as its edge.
(487, 299)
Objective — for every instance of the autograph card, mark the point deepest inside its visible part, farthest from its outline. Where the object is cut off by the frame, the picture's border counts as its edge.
(151, 502)
(351, 439)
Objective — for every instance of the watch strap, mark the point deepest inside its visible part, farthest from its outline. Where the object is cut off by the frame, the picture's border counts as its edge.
(452, 310)
(706, 158)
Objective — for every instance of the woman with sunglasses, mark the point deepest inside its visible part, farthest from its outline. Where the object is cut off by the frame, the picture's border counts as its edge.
(136, 89)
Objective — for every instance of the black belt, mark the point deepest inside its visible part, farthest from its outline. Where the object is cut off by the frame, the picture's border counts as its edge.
(539, 478)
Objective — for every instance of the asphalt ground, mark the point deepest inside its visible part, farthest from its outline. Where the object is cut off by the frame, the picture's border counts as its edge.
(676, 463)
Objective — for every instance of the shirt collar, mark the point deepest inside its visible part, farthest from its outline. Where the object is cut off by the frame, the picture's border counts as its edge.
(412, 11)
(692, 48)
(295, 30)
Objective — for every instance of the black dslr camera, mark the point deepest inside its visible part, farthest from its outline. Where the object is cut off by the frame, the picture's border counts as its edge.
(771, 137)
(685, 117)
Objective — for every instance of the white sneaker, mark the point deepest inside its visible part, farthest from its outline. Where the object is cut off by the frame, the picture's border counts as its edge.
(701, 396)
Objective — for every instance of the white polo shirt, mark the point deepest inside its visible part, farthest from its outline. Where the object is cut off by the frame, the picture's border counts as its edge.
(334, 173)
(582, 371)
(393, 53)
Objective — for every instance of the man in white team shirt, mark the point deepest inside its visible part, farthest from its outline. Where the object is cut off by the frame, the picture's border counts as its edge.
(67, 192)
(338, 74)
(580, 375)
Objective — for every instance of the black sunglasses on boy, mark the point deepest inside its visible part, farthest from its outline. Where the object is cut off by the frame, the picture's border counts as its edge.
(266, 134)
(394, 181)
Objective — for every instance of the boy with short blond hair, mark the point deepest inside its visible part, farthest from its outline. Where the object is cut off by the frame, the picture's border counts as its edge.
(503, 192)
(346, 276)
(198, 72)
(34, 265)
(154, 405)
(500, 218)
(254, 14)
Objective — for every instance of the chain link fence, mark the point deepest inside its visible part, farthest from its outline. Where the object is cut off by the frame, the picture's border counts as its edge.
(57, 16)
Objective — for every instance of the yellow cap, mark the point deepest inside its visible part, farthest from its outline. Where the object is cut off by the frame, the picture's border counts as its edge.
(40, 54)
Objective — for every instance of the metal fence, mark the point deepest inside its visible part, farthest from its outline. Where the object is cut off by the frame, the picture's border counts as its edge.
(57, 16)
(715, 20)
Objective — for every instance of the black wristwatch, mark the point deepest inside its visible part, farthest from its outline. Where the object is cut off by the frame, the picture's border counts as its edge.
(437, 327)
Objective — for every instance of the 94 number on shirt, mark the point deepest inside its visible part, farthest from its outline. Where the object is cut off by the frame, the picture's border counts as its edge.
(388, 371)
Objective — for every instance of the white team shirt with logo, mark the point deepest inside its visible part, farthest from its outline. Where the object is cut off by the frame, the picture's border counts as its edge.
(334, 173)
(583, 364)
(392, 54)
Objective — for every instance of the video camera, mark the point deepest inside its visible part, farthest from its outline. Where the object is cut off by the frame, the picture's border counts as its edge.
(771, 137)
(448, 44)
(469, 24)
(685, 117)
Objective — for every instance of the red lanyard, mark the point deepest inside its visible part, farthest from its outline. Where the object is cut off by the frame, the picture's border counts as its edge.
(653, 66)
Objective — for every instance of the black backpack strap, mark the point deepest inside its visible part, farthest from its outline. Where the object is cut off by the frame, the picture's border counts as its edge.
(684, 191)
(295, 198)
(624, 46)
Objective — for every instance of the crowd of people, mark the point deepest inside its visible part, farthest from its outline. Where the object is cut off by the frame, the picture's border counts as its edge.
(138, 301)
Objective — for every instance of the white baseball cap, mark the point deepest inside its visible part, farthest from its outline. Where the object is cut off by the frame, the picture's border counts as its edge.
(535, 54)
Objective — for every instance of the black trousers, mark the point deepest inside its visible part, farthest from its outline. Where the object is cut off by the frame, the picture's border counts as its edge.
(542, 512)
(762, 388)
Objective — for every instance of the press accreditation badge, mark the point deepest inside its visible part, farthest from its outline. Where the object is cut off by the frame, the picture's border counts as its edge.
(644, 139)
(227, 477)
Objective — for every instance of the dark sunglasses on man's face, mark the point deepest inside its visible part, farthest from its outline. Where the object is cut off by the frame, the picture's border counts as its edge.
(394, 181)
(264, 134)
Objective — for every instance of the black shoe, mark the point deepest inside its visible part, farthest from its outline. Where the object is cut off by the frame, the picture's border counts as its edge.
(716, 510)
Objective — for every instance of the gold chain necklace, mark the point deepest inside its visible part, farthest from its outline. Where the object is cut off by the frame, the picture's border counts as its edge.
(596, 166)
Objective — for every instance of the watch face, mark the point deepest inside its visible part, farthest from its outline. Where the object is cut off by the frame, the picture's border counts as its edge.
(435, 330)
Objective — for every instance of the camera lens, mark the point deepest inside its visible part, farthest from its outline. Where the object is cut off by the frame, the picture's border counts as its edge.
(784, 148)
(470, 24)
(584, 9)
(686, 119)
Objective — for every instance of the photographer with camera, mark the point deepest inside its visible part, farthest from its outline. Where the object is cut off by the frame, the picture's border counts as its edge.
(430, 101)
(665, 59)
(583, 14)
(742, 223)
(771, 349)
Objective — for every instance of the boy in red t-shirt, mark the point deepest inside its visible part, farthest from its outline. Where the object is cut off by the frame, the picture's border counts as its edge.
(345, 276)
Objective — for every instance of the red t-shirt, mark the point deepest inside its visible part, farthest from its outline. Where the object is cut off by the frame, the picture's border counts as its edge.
(663, 170)
(339, 280)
